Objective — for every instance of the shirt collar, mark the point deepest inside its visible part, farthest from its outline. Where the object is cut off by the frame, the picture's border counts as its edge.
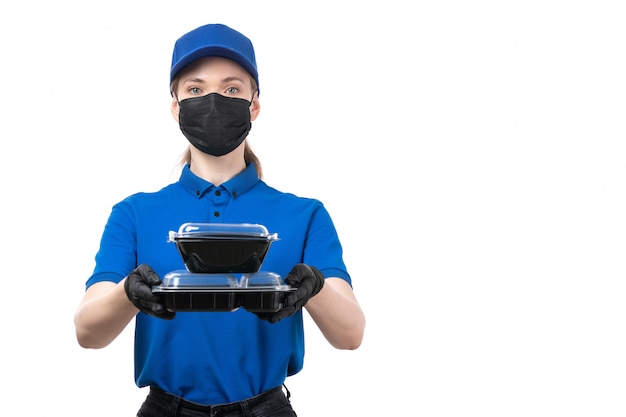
(236, 186)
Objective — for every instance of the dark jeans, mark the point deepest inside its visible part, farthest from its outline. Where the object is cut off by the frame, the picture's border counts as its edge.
(272, 403)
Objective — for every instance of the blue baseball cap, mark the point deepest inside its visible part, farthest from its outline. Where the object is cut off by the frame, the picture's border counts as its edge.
(214, 40)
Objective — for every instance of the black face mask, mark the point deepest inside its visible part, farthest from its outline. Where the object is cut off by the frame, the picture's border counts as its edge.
(215, 124)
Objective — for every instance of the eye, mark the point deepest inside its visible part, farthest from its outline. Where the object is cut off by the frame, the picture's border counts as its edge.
(232, 90)
(195, 91)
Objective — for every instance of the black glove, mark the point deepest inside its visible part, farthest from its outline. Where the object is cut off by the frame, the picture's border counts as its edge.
(308, 281)
(138, 287)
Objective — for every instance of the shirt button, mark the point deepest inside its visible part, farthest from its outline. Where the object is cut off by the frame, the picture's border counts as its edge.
(216, 213)
(218, 193)
(197, 192)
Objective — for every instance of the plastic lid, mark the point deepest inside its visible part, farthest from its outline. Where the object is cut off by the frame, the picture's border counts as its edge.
(236, 230)
(183, 280)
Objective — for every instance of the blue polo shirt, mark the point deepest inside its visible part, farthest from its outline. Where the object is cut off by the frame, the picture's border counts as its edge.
(216, 357)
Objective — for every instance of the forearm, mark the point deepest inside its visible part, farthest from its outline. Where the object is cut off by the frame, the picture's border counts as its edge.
(104, 312)
(338, 315)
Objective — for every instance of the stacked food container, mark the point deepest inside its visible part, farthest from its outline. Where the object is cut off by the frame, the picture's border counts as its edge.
(222, 272)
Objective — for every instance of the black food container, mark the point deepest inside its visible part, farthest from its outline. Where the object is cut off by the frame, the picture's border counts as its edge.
(222, 248)
(261, 292)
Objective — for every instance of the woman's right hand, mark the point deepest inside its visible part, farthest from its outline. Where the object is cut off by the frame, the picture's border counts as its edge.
(138, 286)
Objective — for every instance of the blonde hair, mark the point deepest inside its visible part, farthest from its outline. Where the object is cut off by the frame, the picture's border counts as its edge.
(248, 155)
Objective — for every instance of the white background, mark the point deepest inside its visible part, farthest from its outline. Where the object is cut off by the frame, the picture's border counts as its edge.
(472, 155)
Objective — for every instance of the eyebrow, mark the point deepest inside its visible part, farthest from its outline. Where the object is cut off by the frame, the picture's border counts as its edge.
(200, 80)
(230, 79)
(193, 80)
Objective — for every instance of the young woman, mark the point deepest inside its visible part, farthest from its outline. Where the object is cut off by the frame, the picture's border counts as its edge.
(217, 363)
